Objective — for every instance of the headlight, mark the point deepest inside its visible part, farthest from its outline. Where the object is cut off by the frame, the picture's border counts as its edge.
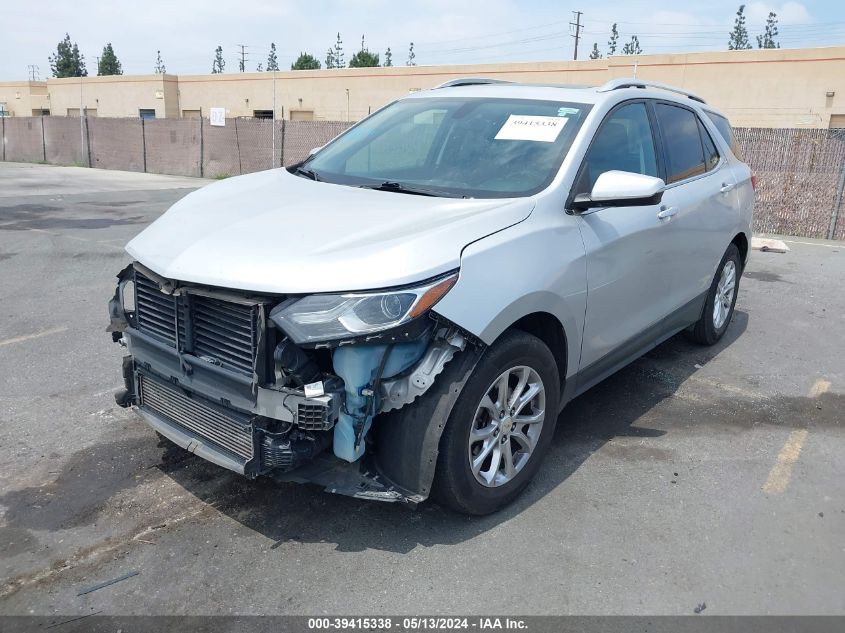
(329, 317)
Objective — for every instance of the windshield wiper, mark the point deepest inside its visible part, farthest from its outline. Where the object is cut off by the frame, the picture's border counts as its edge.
(307, 173)
(398, 187)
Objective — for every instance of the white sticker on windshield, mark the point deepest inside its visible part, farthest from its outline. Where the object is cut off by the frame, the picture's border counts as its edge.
(521, 127)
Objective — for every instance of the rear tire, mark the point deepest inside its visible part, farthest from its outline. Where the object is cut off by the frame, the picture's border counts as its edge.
(721, 298)
(489, 453)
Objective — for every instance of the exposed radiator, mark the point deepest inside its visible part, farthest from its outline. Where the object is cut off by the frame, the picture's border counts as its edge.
(228, 429)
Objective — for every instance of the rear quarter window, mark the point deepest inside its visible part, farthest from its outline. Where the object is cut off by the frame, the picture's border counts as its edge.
(725, 129)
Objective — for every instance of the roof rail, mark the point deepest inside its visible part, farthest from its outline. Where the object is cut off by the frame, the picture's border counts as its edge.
(472, 81)
(616, 84)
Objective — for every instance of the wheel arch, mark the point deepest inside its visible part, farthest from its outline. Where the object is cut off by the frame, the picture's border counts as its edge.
(740, 240)
(408, 439)
(548, 328)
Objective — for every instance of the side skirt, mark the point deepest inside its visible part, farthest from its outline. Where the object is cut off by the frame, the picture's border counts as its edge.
(633, 348)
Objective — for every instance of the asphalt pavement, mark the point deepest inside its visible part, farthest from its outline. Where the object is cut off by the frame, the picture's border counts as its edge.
(695, 476)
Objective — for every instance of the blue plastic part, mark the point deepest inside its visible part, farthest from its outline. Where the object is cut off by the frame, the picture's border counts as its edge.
(357, 365)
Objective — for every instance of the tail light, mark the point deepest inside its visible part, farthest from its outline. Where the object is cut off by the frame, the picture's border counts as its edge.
(754, 182)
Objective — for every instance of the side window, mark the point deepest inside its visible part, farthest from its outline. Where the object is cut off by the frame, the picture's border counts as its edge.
(624, 142)
(725, 129)
(682, 140)
(711, 154)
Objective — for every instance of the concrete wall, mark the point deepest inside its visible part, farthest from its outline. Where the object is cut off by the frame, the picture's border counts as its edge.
(756, 88)
(20, 98)
(115, 96)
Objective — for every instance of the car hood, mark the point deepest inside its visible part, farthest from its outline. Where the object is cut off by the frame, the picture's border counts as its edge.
(278, 233)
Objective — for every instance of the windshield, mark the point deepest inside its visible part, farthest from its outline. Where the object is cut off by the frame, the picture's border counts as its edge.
(478, 148)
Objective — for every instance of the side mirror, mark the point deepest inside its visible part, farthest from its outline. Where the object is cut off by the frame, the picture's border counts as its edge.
(621, 189)
(315, 150)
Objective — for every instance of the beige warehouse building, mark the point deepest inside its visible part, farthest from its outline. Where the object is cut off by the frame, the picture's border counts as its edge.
(756, 88)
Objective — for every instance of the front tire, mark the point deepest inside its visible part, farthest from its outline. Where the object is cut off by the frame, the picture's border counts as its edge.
(500, 427)
(721, 298)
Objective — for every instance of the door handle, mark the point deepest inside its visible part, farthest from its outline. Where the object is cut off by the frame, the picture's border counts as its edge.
(666, 212)
(727, 186)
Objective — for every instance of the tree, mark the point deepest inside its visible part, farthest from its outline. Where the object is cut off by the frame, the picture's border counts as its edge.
(272, 60)
(306, 61)
(632, 47)
(67, 62)
(330, 59)
(109, 63)
(411, 56)
(594, 54)
(767, 40)
(364, 58)
(388, 57)
(160, 69)
(339, 62)
(260, 67)
(613, 42)
(219, 63)
(739, 36)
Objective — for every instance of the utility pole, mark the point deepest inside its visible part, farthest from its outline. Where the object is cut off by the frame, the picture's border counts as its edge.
(32, 71)
(243, 57)
(578, 26)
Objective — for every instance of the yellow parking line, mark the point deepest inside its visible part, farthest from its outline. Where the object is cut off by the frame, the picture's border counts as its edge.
(28, 337)
(781, 472)
(819, 387)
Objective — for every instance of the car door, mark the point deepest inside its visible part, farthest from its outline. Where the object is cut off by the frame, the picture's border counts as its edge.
(628, 273)
(700, 201)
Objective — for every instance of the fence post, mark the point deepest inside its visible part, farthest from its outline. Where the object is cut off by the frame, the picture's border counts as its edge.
(3, 127)
(202, 148)
(43, 140)
(238, 145)
(282, 144)
(834, 216)
(87, 140)
(144, 143)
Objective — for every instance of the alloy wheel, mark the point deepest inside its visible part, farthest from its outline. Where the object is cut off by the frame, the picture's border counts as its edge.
(725, 290)
(507, 425)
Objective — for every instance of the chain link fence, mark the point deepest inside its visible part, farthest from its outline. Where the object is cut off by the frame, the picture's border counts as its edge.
(800, 176)
(800, 172)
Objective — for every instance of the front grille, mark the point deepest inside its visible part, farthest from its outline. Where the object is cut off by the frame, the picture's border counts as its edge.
(155, 311)
(225, 331)
(222, 332)
(228, 429)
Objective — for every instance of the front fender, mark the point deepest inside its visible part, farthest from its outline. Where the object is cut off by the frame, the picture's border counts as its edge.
(536, 266)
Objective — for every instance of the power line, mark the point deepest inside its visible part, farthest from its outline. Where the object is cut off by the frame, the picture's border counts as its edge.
(242, 63)
(577, 35)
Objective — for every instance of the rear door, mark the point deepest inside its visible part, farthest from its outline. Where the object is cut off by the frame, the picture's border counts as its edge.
(701, 199)
(628, 271)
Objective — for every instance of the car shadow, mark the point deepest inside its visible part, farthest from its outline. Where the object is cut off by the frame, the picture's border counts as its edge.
(291, 513)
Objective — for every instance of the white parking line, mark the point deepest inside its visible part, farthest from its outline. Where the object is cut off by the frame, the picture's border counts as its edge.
(29, 337)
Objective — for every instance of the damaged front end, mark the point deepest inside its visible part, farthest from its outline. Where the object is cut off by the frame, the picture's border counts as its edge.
(265, 384)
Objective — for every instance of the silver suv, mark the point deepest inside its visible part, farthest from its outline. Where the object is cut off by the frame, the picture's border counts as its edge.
(406, 312)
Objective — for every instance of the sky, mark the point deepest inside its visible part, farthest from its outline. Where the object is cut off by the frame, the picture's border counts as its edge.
(443, 31)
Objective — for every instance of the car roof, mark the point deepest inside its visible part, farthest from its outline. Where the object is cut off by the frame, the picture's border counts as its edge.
(614, 90)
